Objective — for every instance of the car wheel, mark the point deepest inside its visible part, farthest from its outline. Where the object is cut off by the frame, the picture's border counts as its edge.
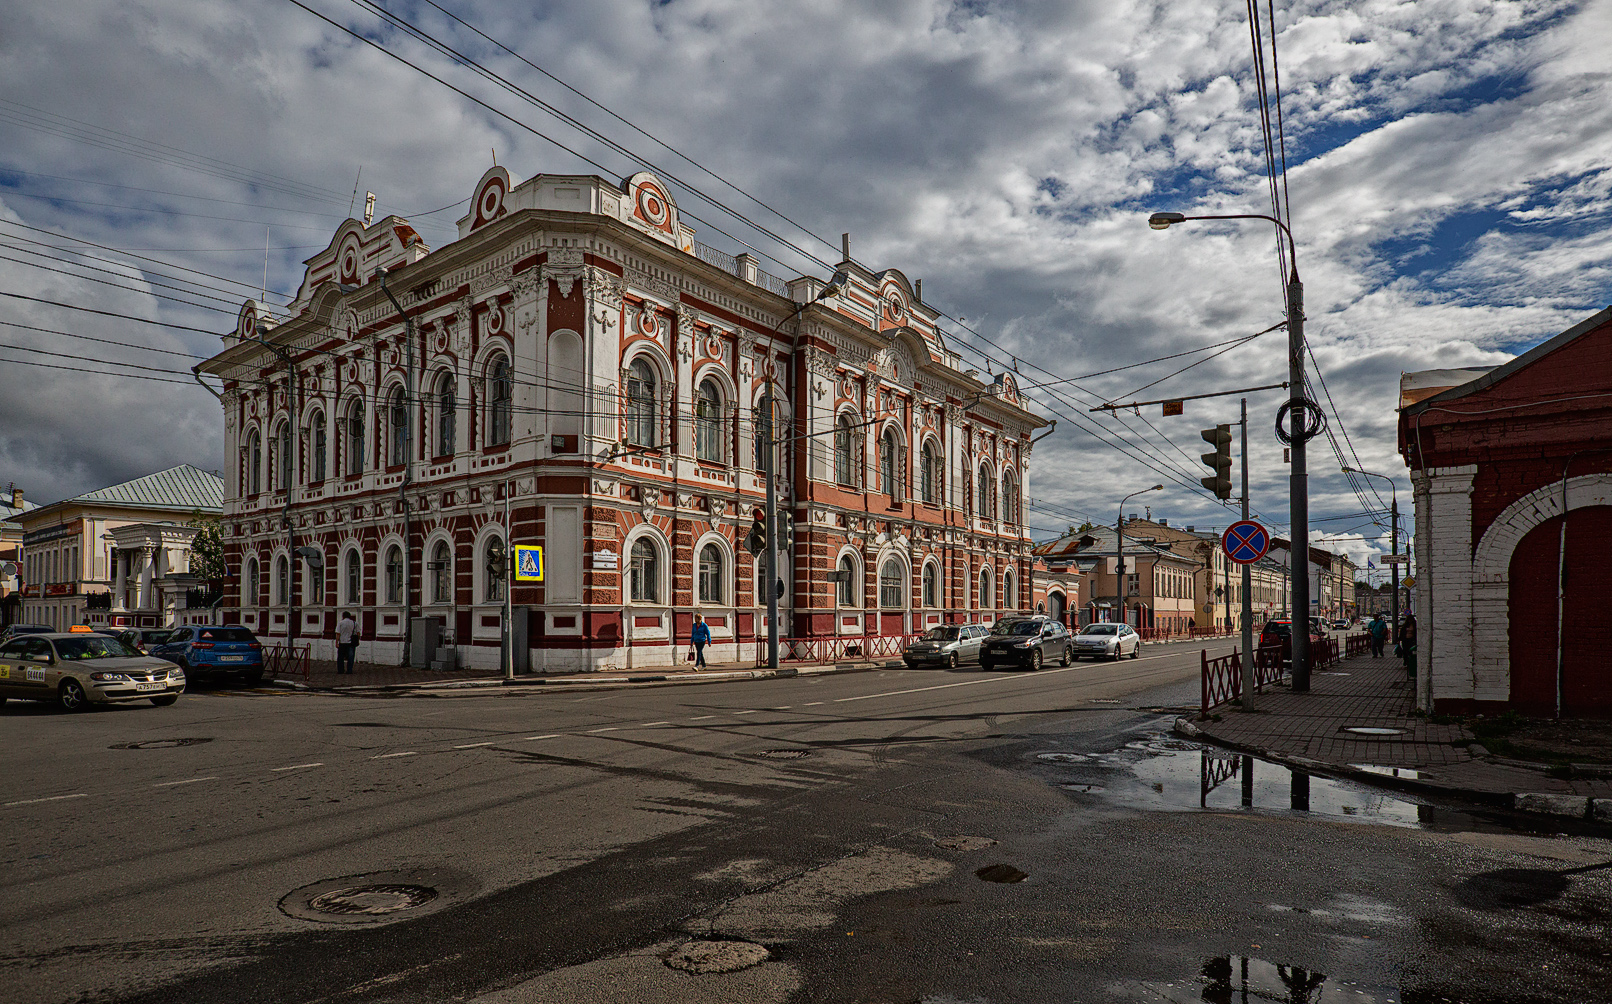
(70, 695)
(165, 701)
(1118, 653)
(1035, 659)
(1068, 656)
(986, 665)
(952, 661)
(1136, 653)
(253, 679)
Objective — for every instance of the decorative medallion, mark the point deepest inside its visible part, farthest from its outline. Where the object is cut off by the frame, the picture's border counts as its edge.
(349, 261)
(495, 319)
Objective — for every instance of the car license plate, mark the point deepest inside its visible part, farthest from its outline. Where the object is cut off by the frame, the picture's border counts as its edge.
(231, 658)
(151, 686)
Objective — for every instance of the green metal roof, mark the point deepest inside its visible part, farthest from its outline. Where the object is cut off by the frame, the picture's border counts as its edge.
(183, 487)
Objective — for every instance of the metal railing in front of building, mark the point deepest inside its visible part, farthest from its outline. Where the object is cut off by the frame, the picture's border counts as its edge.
(835, 649)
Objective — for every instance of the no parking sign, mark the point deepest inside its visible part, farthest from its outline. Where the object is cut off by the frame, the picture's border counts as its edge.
(1245, 542)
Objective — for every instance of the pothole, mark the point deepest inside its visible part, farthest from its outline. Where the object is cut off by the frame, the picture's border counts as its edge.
(1000, 873)
(1063, 757)
(161, 744)
(701, 957)
(965, 843)
(784, 754)
(1085, 789)
(377, 897)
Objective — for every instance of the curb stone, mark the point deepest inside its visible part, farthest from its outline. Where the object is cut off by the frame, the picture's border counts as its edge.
(1545, 803)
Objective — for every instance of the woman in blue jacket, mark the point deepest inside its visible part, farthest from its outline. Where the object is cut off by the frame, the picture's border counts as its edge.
(699, 637)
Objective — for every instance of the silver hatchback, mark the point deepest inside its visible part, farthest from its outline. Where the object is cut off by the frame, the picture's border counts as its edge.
(945, 645)
(1108, 641)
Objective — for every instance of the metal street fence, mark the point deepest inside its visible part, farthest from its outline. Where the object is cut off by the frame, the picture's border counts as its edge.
(279, 660)
(835, 649)
(1222, 680)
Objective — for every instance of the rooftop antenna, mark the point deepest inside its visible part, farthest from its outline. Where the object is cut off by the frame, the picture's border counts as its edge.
(354, 200)
(494, 149)
(369, 207)
(265, 295)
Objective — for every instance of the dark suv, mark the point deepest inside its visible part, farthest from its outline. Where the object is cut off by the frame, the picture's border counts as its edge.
(1028, 642)
(214, 652)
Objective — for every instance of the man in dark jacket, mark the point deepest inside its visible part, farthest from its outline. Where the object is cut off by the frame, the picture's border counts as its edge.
(1378, 632)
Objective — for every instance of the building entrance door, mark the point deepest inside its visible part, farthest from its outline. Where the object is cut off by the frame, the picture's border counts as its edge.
(1586, 631)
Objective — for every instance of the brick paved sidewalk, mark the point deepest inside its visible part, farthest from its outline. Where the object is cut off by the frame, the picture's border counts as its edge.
(1376, 693)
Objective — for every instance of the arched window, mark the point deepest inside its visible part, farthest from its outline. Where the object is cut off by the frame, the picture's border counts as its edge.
(889, 463)
(931, 474)
(711, 574)
(1010, 498)
(313, 583)
(708, 422)
(320, 448)
(283, 461)
(892, 584)
(355, 437)
(254, 463)
(844, 443)
(987, 493)
(397, 427)
(441, 573)
(931, 585)
(282, 585)
(644, 572)
(498, 387)
(987, 597)
(850, 590)
(353, 574)
(394, 575)
(249, 594)
(493, 555)
(641, 403)
(447, 414)
(1010, 595)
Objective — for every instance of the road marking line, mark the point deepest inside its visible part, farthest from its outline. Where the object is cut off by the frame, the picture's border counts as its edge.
(752, 711)
(647, 725)
(555, 735)
(388, 756)
(782, 707)
(471, 746)
(607, 728)
(970, 683)
(53, 798)
(296, 766)
(701, 718)
(193, 780)
(811, 704)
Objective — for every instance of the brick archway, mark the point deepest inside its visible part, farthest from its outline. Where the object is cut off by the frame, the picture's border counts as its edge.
(1536, 564)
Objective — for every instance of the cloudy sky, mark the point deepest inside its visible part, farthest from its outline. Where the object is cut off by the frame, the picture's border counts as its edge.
(1448, 175)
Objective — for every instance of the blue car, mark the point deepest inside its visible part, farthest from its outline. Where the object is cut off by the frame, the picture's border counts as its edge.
(215, 652)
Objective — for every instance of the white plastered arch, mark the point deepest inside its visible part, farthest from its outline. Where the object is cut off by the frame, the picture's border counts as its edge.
(859, 573)
(663, 563)
(730, 568)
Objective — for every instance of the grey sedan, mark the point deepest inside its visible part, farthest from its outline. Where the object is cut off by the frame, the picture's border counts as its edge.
(1110, 641)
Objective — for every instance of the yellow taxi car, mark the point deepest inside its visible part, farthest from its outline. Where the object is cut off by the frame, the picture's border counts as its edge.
(78, 669)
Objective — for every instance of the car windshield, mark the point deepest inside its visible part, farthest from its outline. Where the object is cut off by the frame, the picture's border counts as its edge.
(1278, 628)
(226, 634)
(92, 646)
(1015, 628)
(941, 634)
(1099, 629)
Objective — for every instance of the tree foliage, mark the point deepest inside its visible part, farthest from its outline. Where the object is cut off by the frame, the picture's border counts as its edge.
(207, 550)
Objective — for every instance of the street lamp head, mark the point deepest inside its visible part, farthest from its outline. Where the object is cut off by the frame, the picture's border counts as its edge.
(1156, 488)
(1162, 221)
(836, 283)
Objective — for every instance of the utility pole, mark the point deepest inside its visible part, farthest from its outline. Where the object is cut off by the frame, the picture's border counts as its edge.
(1298, 484)
(770, 549)
(1248, 583)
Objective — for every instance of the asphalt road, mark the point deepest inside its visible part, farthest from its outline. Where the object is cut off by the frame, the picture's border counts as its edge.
(887, 837)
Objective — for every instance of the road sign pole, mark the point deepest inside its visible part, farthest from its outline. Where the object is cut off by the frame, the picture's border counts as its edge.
(1248, 579)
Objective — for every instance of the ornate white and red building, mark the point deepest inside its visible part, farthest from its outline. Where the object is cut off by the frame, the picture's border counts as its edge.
(582, 364)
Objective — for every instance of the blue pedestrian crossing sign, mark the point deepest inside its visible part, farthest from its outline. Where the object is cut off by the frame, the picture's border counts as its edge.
(528, 564)
(1245, 542)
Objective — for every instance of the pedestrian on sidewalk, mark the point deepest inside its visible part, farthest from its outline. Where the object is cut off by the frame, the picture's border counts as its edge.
(1406, 648)
(1378, 630)
(346, 642)
(699, 637)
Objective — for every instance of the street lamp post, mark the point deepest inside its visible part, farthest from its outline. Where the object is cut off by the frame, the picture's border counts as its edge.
(1298, 472)
(408, 472)
(1393, 545)
(1119, 550)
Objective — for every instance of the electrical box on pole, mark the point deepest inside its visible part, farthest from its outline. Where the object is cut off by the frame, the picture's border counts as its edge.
(1219, 461)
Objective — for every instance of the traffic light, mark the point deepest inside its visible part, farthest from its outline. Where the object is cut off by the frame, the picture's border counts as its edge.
(786, 531)
(1219, 461)
(495, 561)
(756, 541)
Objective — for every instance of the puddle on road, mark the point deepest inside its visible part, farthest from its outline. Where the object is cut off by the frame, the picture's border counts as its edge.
(1000, 873)
(1159, 771)
(1239, 978)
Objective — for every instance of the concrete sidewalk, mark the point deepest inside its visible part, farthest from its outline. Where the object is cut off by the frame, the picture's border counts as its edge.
(1307, 731)
(371, 678)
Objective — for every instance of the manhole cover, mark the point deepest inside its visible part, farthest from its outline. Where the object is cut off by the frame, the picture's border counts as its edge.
(160, 744)
(1371, 730)
(1000, 873)
(373, 899)
(1063, 757)
(701, 957)
(378, 897)
(784, 754)
(965, 843)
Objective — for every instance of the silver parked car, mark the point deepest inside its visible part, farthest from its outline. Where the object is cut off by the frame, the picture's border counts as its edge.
(945, 645)
(1108, 641)
(78, 669)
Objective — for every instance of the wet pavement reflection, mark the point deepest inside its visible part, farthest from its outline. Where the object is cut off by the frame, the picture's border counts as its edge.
(1234, 979)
